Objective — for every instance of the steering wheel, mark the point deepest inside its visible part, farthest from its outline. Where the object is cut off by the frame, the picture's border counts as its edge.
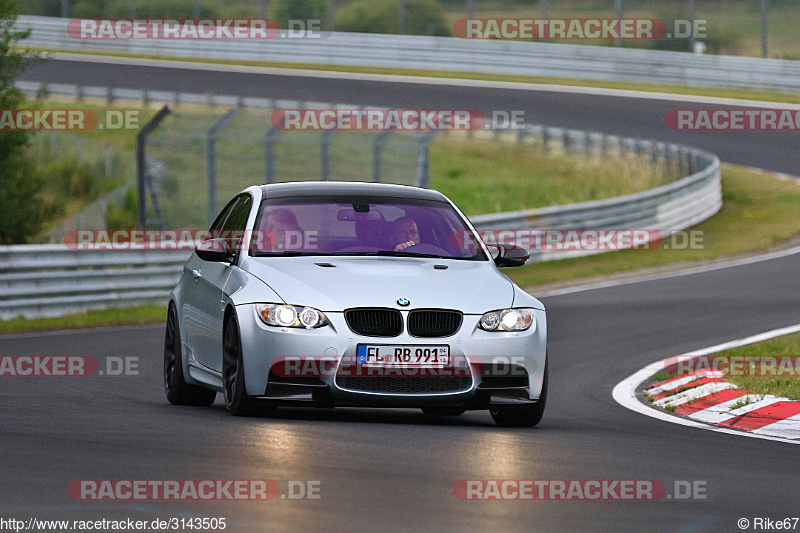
(425, 248)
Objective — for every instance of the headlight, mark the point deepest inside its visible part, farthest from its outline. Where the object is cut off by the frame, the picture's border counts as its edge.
(507, 320)
(291, 316)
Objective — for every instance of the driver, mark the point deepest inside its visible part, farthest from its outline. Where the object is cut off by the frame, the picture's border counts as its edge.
(404, 233)
(282, 223)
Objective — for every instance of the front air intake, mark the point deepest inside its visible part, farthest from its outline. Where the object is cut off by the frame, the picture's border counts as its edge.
(433, 322)
(375, 322)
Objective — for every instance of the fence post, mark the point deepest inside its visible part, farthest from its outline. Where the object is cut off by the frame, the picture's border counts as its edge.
(211, 163)
(141, 164)
(377, 147)
(324, 145)
(79, 151)
(269, 153)
(401, 17)
(521, 135)
(422, 179)
(108, 161)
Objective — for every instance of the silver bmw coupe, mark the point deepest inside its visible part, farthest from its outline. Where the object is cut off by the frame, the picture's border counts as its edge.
(354, 294)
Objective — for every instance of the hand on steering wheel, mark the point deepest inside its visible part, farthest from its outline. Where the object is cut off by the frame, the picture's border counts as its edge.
(404, 245)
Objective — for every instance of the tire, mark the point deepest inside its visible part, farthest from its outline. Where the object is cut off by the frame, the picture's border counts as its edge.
(522, 416)
(236, 399)
(178, 391)
(444, 410)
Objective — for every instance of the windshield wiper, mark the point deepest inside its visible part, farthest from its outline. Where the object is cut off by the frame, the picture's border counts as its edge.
(392, 253)
(289, 253)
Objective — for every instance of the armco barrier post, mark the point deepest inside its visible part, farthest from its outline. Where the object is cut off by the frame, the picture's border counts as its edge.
(141, 164)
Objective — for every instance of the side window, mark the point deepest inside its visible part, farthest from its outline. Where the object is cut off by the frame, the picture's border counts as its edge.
(237, 219)
(236, 224)
(221, 218)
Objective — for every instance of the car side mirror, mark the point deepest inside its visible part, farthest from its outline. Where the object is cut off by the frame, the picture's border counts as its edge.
(511, 255)
(215, 251)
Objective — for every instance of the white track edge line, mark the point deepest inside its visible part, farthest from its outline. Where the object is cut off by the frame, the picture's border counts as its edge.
(624, 392)
(667, 275)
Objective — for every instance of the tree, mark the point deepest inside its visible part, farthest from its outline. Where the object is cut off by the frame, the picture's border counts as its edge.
(286, 10)
(22, 212)
(422, 17)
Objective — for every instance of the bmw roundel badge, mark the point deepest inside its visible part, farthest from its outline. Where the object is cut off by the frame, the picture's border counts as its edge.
(403, 302)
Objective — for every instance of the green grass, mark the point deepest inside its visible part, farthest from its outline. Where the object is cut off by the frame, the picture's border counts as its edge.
(662, 376)
(742, 94)
(758, 213)
(144, 314)
(74, 164)
(784, 385)
(120, 138)
(467, 172)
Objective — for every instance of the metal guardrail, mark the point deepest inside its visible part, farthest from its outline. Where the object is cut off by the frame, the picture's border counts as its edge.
(669, 208)
(52, 280)
(453, 54)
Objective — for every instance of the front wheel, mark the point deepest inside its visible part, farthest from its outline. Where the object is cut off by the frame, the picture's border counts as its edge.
(522, 416)
(236, 399)
(178, 391)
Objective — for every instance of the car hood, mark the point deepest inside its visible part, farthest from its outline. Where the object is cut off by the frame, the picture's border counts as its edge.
(472, 287)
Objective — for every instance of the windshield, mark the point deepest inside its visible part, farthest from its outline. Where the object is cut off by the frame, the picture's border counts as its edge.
(362, 226)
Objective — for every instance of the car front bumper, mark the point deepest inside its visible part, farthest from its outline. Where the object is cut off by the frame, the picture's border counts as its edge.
(485, 358)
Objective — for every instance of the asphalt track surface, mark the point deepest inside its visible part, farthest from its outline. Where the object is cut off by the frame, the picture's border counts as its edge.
(394, 470)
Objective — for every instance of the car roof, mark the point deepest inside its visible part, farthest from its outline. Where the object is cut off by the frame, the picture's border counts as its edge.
(336, 188)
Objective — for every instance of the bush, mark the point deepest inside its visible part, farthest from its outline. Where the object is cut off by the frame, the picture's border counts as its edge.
(23, 211)
(716, 41)
(123, 216)
(285, 10)
(423, 17)
(66, 178)
(45, 8)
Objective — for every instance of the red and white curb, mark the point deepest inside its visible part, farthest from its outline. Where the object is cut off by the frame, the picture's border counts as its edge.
(705, 400)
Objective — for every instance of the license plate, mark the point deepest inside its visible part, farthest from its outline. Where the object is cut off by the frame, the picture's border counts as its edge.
(434, 356)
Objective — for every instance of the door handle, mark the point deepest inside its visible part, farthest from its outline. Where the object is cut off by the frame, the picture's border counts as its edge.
(196, 274)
